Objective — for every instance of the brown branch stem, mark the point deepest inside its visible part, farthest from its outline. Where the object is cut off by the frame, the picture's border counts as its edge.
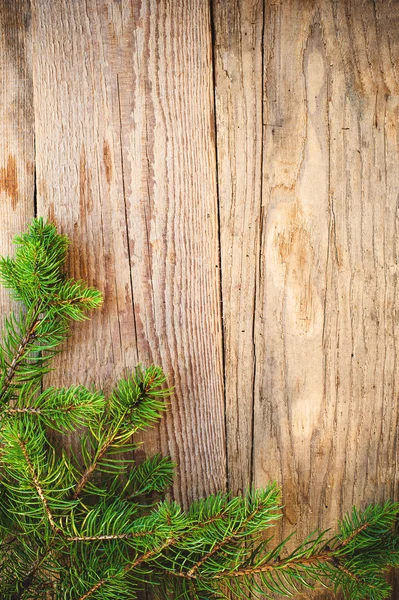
(37, 485)
(90, 469)
(27, 338)
(323, 557)
(40, 411)
(222, 543)
(120, 536)
(354, 534)
(139, 560)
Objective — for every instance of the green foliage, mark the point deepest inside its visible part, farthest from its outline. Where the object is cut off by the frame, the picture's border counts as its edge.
(89, 524)
(36, 278)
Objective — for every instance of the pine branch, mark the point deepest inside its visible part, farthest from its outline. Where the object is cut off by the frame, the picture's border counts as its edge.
(62, 409)
(138, 561)
(154, 474)
(93, 590)
(29, 577)
(20, 352)
(277, 566)
(113, 437)
(120, 536)
(37, 484)
(92, 467)
(36, 278)
(136, 402)
(233, 536)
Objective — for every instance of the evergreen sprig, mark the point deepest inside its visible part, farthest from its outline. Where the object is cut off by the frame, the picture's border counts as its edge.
(89, 524)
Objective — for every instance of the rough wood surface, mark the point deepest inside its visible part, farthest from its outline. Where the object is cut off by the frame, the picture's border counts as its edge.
(126, 166)
(326, 384)
(17, 151)
(316, 375)
(227, 172)
(238, 36)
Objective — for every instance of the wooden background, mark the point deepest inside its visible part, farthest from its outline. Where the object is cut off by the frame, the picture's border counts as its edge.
(228, 173)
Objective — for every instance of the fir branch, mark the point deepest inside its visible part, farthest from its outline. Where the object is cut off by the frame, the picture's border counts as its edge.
(28, 579)
(92, 467)
(355, 533)
(31, 410)
(347, 572)
(20, 352)
(138, 561)
(61, 409)
(36, 277)
(277, 566)
(92, 590)
(136, 402)
(224, 542)
(37, 485)
(153, 474)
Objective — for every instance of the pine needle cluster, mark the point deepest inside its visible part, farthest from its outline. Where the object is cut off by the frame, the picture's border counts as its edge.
(85, 525)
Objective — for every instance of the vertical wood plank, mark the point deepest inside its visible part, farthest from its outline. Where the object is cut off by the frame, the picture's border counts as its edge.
(169, 164)
(16, 126)
(289, 320)
(238, 52)
(126, 166)
(79, 177)
(326, 383)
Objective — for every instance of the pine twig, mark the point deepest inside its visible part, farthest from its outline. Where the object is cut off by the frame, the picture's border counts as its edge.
(37, 485)
(91, 468)
(222, 543)
(138, 561)
(26, 340)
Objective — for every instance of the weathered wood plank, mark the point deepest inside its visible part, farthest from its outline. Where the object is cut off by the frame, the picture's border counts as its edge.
(126, 166)
(169, 156)
(79, 180)
(326, 382)
(238, 53)
(16, 126)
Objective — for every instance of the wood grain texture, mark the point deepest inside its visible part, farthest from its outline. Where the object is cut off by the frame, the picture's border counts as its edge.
(326, 384)
(173, 220)
(126, 166)
(227, 172)
(16, 125)
(238, 54)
